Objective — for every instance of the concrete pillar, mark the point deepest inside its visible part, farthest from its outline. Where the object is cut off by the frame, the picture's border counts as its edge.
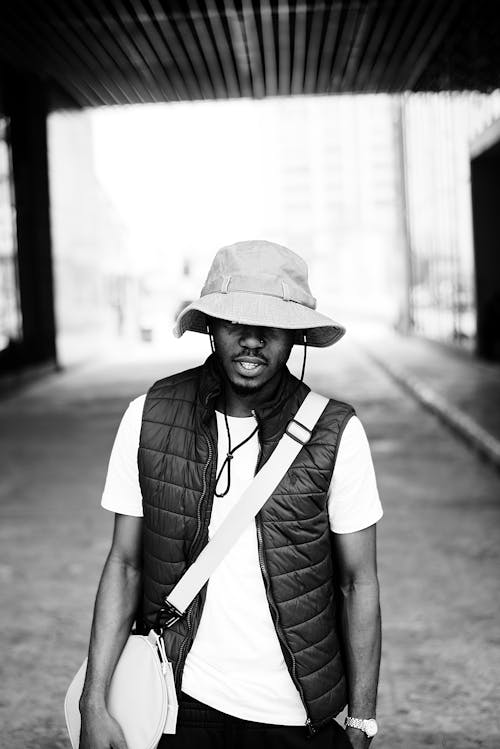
(485, 184)
(26, 106)
(405, 322)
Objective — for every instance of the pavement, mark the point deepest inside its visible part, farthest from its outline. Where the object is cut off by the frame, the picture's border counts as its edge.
(438, 541)
(461, 390)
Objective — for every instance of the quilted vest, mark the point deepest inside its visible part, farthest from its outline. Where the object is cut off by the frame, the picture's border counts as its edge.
(177, 467)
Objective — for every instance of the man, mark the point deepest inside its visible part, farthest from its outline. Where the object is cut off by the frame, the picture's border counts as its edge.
(288, 628)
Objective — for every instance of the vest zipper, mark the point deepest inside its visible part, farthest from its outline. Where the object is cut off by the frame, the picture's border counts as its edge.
(292, 663)
(184, 646)
(203, 494)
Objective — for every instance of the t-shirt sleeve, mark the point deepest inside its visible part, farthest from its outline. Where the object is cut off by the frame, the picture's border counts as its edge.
(122, 492)
(353, 500)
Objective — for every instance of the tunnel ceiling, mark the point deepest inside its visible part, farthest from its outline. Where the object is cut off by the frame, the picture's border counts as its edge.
(96, 52)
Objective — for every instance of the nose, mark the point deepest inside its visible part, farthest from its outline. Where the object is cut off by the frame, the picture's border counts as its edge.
(251, 338)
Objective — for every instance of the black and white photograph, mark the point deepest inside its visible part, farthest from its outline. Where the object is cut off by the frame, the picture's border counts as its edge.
(249, 374)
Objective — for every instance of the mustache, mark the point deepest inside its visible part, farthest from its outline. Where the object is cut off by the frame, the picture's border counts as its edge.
(250, 355)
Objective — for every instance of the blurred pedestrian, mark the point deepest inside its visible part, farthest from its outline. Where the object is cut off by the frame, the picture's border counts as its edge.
(287, 631)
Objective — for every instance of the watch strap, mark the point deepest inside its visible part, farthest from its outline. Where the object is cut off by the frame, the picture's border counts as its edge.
(367, 725)
(355, 723)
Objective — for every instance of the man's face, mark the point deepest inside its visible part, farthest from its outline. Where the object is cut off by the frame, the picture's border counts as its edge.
(251, 356)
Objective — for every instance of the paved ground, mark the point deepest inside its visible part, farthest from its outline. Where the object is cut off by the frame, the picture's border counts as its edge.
(463, 391)
(438, 549)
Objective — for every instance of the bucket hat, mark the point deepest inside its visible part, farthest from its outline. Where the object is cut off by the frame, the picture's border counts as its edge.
(264, 284)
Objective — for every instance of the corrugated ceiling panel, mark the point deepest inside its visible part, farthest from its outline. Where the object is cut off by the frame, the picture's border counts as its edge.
(124, 51)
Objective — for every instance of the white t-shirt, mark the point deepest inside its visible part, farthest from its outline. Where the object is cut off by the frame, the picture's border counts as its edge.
(235, 663)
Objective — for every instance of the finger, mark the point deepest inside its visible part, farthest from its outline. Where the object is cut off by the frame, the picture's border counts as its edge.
(119, 741)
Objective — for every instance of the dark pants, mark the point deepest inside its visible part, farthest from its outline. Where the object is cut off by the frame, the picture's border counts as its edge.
(201, 727)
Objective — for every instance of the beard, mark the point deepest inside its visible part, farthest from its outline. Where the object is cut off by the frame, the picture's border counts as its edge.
(241, 389)
(250, 388)
(247, 389)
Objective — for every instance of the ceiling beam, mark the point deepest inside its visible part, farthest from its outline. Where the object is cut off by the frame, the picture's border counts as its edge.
(430, 36)
(137, 46)
(313, 49)
(344, 46)
(160, 49)
(183, 25)
(239, 48)
(220, 32)
(209, 51)
(72, 26)
(254, 49)
(395, 27)
(327, 54)
(364, 27)
(417, 14)
(299, 49)
(384, 11)
(170, 35)
(105, 30)
(270, 50)
(284, 62)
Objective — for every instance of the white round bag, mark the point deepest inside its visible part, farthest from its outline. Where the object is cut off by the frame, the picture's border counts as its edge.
(138, 696)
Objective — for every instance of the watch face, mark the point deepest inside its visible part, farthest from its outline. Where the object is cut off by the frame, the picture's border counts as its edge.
(371, 727)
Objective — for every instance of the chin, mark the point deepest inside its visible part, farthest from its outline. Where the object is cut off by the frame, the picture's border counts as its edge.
(246, 388)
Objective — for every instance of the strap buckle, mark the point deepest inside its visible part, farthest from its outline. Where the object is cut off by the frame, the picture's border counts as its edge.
(167, 615)
(298, 432)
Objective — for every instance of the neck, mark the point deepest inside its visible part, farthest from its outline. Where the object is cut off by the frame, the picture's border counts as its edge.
(238, 404)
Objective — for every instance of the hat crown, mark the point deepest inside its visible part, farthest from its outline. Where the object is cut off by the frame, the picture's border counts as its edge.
(260, 267)
(260, 283)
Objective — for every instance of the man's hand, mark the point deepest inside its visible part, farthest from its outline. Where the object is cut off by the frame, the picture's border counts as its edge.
(358, 739)
(115, 608)
(100, 731)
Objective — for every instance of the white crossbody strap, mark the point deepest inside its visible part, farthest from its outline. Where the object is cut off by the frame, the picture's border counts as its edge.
(297, 434)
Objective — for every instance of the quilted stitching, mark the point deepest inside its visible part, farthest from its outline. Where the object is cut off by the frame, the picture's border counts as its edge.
(296, 536)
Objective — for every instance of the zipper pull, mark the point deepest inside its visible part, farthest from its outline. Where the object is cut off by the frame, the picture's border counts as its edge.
(311, 729)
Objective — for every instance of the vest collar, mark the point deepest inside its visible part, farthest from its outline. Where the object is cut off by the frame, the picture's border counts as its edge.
(272, 416)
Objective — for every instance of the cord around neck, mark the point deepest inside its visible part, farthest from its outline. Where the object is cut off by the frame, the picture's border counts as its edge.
(230, 454)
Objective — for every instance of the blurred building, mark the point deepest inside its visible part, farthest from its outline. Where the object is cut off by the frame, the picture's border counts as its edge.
(374, 191)
(339, 200)
(320, 174)
(93, 282)
(437, 131)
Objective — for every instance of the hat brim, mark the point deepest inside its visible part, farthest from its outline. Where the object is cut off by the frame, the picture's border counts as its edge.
(268, 311)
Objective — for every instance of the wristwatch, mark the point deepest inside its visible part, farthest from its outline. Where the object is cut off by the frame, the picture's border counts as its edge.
(367, 725)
